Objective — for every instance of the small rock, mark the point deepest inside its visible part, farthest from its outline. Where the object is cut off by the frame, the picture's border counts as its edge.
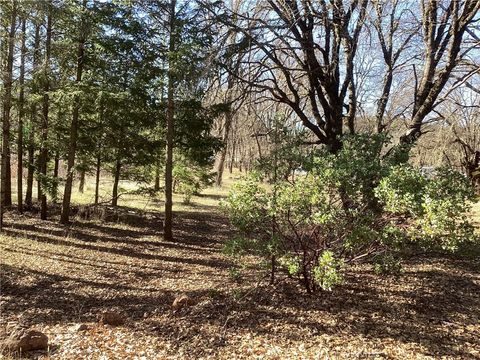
(112, 318)
(181, 302)
(79, 327)
(25, 340)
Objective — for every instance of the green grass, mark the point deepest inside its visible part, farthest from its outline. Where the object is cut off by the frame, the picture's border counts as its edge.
(205, 201)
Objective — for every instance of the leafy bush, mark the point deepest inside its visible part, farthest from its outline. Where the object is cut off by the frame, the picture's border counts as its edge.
(438, 206)
(402, 190)
(327, 273)
(352, 205)
(303, 226)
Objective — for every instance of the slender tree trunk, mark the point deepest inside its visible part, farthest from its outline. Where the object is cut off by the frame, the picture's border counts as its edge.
(56, 164)
(31, 137)
(232, 158)
(81, 184)
(39, 187)
(64, 219)
(223, 152)
(30, 171)
(118, 167)
(97, 177)
(167, 226)
(6, 178)
(157, 175)
(44, 129)
(21, 114)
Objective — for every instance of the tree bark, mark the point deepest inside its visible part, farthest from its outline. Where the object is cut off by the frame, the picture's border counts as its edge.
(167, 226)
(44, 129)
(21, 114)
(6, 195)
(67, 195)
(97, 177)
(81, 184)
(223, 152)
(56, 164)
(442, 55)
(31, 137)
(30, 171)
(118, 167)
(232, 157)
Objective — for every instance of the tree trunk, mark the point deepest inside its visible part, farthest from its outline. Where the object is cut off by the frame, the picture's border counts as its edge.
(167, 226)
(97, 177)
(118, 167)
(223, 152)
(232, 158)
(30, 171)
(31, 137)
(156, 186)
(44, 128)
(6, 195)
(81, 184)
(21, 114)
(56, 164)
(74, 126)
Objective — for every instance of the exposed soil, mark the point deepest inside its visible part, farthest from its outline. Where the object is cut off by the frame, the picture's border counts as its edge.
(54, 277)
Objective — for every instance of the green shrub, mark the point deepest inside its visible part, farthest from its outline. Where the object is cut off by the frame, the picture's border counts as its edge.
(402, 190)
(348, 207)
(291, 263)
(437, 207)
(190, 178)
(247, 204)
(328, 271)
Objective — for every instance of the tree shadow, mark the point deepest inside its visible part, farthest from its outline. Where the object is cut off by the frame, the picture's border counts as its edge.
(432, 306)
(434, 314)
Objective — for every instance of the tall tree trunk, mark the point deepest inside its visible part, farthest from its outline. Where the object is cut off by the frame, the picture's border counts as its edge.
(118, 167)
(56, 164)
(31, 137)
(81, 184)
(167, 226)
(45, 109)
(97, 177)
(39, 187)
(74, 124)
(223, 152)
(157, 175)
(232, 156)
(6, 195)
(21, 114)
(30, 171)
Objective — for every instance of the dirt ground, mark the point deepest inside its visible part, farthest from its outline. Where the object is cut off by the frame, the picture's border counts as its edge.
(54, 277)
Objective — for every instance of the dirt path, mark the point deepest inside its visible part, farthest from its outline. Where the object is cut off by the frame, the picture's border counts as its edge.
(55, 276)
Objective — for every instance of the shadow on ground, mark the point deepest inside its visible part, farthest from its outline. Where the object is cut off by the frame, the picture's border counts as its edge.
(54, 273)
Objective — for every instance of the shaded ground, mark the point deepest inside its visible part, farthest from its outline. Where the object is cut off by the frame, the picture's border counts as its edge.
(55, 276)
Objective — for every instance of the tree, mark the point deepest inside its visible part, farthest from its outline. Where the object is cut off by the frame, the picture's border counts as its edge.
(21, 114)
(43, 158)
(304, 55)
(167, 224)
(33, 122)
(74, 125)
(6, 194)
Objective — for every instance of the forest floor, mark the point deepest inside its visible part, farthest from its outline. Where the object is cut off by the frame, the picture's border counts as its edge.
(54, 277)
